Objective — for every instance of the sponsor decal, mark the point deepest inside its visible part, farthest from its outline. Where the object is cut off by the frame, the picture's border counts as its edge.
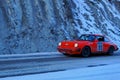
(99, 46)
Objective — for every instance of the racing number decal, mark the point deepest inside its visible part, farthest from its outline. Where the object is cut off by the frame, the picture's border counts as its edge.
(99, 46)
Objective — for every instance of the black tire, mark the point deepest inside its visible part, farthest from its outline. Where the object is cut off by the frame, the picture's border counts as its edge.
(111, 50)
(66, 54)
(86, 52)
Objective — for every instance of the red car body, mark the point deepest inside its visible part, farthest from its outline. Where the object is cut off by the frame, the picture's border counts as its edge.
(87, 44)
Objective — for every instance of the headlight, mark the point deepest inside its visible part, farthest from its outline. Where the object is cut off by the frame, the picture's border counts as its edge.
(59, 44)
(76, 45)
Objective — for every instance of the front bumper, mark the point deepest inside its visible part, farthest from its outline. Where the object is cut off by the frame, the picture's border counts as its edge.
(69, 51)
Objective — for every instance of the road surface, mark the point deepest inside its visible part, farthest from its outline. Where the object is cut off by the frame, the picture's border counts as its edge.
(36, 64)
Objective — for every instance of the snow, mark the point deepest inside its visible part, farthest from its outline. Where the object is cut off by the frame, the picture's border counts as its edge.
(108, 72)
(41, 55)
(29, 54)
(83, 10)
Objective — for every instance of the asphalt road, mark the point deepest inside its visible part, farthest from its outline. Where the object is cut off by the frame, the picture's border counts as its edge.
(25, 65)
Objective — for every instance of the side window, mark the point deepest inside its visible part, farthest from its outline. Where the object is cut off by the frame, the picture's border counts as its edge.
(91, 38)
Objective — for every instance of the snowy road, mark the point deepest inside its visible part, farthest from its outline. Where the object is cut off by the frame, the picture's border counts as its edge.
(43, 63)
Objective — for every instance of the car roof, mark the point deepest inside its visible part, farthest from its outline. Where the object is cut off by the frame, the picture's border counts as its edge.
(94, 34)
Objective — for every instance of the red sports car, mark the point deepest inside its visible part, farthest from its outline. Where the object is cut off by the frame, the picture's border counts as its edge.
(87, 44)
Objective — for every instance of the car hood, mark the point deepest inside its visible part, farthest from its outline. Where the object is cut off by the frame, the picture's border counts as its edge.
(71, 43)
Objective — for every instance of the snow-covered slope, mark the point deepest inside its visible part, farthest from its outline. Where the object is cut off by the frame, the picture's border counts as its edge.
(38, 25)
(101, 17)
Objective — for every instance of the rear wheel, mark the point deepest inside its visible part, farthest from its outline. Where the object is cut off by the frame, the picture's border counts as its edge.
(111, 50)
(86, 52)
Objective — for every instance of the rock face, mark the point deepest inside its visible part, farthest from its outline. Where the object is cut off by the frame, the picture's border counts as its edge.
(29, 26)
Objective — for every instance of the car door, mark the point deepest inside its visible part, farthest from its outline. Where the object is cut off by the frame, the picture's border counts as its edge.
(98, 44)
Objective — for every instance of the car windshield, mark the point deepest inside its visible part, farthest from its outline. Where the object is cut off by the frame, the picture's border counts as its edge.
(87, 37)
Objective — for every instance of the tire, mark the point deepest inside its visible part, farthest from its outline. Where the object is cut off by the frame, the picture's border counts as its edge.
(111, 50)
(66, 54)
(86, 52)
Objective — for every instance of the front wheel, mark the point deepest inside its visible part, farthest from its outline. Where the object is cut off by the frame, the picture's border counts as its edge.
(86, 52)
(65, 54)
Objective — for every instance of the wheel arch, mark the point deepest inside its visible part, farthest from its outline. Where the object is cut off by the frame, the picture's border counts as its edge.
(111, 46)
(111, 50)
(84, 53)
(88, 47)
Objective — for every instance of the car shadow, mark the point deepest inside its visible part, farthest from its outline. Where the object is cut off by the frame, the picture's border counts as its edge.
(92, 55)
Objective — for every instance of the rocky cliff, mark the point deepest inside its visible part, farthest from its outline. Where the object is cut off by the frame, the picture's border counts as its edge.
(28, 26)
